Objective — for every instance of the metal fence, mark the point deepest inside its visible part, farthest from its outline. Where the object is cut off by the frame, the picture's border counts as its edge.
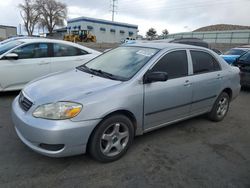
(227, 37)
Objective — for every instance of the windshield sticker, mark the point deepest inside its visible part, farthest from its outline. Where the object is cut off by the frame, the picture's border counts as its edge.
(145, 53)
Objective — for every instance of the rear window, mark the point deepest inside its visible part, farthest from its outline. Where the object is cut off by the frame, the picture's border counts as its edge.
(203, 62)
(62, 50)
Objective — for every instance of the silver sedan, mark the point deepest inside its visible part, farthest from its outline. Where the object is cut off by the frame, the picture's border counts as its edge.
(99, 107)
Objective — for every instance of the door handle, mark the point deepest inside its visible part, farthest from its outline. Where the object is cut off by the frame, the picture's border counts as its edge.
(219, 77)
(187, 83)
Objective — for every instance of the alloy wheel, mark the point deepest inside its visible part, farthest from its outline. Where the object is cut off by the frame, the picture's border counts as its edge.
(114, 139)
(222, 107)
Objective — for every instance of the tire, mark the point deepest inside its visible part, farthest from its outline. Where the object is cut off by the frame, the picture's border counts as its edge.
(112, 138)
(220, 107)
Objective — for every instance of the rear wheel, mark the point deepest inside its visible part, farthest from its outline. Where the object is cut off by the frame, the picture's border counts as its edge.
(112, 138)
(220, 107)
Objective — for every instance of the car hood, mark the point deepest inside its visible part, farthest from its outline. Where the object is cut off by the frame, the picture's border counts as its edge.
(230, 58)
(65, 86)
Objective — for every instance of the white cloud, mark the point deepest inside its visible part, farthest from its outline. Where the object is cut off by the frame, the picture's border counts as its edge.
(175, 15)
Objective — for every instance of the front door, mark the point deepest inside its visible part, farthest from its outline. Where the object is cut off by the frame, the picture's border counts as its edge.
(170, 100)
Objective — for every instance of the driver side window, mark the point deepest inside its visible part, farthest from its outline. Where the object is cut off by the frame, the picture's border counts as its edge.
(36, 50)
(25, 52)
(174, 63)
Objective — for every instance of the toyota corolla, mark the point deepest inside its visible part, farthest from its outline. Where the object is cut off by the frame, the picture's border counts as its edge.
(99, 107)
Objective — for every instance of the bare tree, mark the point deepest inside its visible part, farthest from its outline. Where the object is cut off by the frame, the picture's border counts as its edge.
(29, 15)
(52, 13)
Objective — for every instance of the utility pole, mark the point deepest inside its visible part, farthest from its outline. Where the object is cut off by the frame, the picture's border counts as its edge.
(20, 29)
(113, 6)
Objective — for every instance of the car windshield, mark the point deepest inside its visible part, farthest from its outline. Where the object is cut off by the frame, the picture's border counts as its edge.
(235, 52)
(121, 63)
(245, 57)
(8, 46)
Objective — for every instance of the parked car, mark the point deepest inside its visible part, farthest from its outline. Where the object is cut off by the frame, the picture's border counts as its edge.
(217, 51)
(23, 60)
(243, 63)
(100, 106)
(231, 55)
(191, 41)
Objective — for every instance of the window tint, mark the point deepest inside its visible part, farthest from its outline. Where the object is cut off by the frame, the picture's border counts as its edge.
(36, 50)
(25, 52)
(41, 50)
(66, 50)
(203, 62)
(174, 63)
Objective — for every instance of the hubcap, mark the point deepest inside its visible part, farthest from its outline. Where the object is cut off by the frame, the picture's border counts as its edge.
(222, 107)
(114, 139)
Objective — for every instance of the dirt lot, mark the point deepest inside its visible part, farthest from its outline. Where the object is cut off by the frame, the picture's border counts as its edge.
(194, 153)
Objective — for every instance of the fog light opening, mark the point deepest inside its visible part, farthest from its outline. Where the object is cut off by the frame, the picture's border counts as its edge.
(51, 147)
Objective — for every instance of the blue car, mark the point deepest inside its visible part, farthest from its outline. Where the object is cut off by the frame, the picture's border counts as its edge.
(231, 55)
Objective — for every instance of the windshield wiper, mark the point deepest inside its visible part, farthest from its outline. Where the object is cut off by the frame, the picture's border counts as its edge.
(105, 74)
(99, 73)
(85, 69)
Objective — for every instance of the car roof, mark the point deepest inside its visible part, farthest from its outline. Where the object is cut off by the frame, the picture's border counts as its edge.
(162, 45)
(245, 46)
(40, 40)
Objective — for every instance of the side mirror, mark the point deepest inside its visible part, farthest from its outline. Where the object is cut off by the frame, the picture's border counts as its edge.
(155, 77)
(11, 56)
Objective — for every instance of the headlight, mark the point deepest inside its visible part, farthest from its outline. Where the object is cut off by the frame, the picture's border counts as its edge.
(58, 111)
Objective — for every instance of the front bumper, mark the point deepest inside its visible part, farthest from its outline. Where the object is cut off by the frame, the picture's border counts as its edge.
(33, 132)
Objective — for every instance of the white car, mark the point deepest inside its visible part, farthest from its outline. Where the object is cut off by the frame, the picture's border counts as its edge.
(23, 60)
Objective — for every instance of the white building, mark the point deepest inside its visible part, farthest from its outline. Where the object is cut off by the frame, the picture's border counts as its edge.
(7, 31)
(104, 30)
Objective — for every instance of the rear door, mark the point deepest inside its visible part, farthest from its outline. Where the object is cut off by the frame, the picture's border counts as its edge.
(67, 57)
(33, 62)
(167, 101)
(207, 80)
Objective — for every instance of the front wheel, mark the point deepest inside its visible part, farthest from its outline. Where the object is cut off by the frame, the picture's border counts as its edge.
(112, 138)
(220, 107)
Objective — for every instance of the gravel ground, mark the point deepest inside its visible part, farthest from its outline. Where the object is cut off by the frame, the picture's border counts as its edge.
(193, 153)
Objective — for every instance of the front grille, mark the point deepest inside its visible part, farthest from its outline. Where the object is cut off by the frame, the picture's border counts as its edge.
(24, 103)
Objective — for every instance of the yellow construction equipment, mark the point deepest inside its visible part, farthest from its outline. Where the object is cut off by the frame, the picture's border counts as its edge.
(80, 36)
